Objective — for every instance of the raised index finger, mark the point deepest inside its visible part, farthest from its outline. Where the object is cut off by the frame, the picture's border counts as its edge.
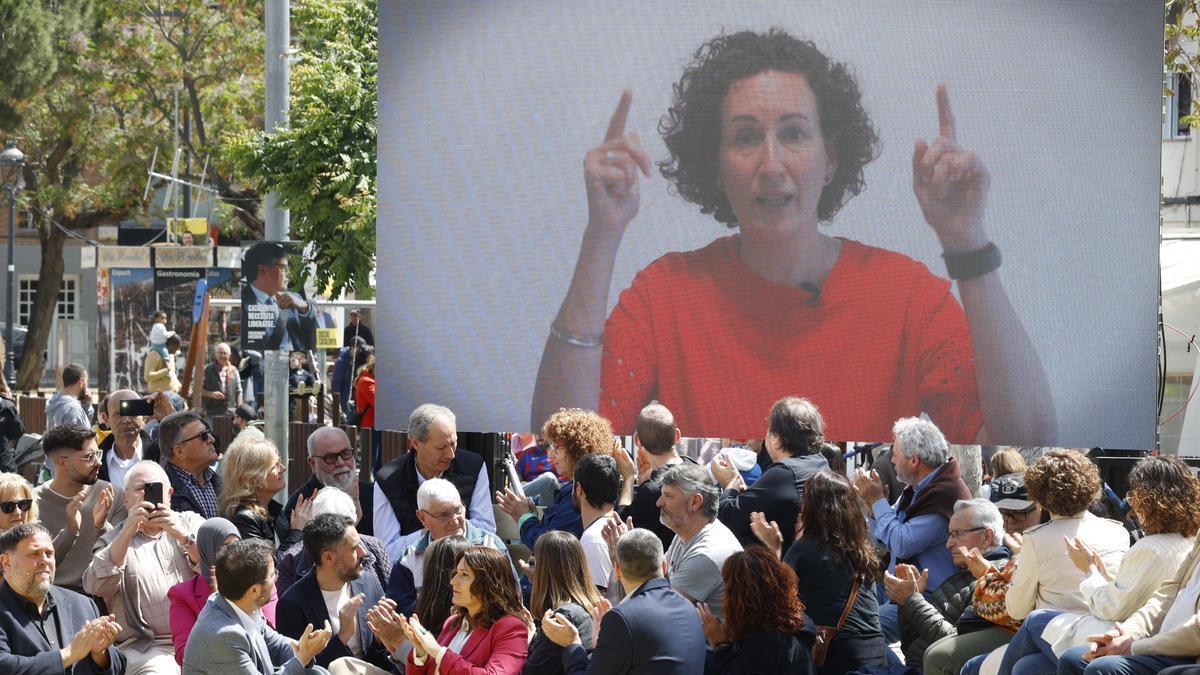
(945, 115)
(616, 125)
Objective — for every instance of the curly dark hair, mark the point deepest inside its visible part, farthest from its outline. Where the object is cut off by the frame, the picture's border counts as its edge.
(494, 585)
(1063, 481)
(575, 433)
(832, 513)
(761, 593)
(692, 126)
(1165, 496)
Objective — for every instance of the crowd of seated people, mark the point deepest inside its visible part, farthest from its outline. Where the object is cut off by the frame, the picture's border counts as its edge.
(656, 563)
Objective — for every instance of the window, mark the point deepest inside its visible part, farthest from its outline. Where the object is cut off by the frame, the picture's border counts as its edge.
(1177, 106)
(68, 298)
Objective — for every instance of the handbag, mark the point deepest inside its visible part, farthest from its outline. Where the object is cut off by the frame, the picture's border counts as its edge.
(825, 634)
(354, 417)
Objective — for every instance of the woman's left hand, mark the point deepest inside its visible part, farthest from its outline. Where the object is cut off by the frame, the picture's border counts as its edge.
(1081, 554)
(514, 504)
(421, 638)
(714, 630)
(951, 184)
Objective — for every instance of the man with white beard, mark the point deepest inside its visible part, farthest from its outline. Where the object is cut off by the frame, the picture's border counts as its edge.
(331, 460)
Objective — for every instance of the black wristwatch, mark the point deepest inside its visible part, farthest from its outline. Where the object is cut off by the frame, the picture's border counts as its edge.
(971, 264)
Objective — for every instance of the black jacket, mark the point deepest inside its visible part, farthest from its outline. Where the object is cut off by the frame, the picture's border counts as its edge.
(927, 618)
(303, 604)
(23, 650)
(149, 451)
(767, 653)
(366, 499)
(253, 526)
(777, 494)
(398, 480)
(545, 657)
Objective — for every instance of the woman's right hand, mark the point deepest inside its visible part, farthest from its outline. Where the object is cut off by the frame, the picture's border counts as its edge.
(610, 172)
(767, 532)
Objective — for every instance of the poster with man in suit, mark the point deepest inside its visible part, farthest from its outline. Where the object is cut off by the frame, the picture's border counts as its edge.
(273, 317)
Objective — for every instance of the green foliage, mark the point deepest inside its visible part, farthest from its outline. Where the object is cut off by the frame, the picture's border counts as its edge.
(90, 132)
(1181, 55)
(34, 38)
(90, 124)
(323, 166)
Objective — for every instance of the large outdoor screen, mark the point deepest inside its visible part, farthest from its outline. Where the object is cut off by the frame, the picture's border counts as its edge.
(892, 209)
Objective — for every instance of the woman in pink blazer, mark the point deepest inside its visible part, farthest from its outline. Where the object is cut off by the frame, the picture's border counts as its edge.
(188, 597)
(488, 633)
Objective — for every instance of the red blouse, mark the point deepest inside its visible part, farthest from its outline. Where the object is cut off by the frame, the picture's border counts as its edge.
(717, 344)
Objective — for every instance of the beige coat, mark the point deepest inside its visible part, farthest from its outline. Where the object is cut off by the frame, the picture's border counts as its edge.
(1045, 577)
(1182, 641)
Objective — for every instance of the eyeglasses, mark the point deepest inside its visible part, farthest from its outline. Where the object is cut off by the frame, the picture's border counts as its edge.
(90, 457)
(959, 534)
(333, 457)
(23, 504)
(1009, 513)
(204, 437)
(445, 515)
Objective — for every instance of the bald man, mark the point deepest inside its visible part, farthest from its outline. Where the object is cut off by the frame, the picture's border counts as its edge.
(129, 442)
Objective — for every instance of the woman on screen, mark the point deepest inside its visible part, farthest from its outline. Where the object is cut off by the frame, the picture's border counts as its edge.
(769, 136)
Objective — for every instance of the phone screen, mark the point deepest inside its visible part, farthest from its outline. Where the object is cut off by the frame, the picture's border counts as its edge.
(135, 407)
(152, 492)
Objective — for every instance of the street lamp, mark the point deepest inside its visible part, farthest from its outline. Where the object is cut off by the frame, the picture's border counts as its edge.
(12, 179)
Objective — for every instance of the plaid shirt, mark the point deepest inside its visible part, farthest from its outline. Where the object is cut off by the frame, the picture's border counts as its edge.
(205, 496)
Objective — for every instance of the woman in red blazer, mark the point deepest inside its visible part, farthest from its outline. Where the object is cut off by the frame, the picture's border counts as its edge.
(488, 633)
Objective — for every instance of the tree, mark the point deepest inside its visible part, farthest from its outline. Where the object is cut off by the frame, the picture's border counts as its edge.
(1182, 56)
(33, 35)
(89, 132)
(323, 166)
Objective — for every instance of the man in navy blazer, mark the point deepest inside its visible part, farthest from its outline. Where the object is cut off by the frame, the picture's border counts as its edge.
(654, 630)
(337, 591)
(45, 628)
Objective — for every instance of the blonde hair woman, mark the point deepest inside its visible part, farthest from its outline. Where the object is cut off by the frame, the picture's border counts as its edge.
(17, 504)
(251, 474)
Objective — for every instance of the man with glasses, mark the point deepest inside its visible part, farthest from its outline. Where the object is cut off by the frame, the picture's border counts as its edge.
(136, 564)
(76, 506)
(331, 462)
(1020, 513)
(191, 448)
(930, 614)
(441, 512)
(231, 635)
(433, 437)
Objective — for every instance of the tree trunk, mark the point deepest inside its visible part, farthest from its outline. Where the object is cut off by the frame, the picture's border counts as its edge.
(45, 304)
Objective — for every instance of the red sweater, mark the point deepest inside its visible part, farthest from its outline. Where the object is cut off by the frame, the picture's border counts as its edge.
(364, 398)
(707, 337)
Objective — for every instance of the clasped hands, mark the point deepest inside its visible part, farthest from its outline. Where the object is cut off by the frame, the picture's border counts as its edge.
(393, 629)
(92, 640)
(905, 582)
(1115, 641)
